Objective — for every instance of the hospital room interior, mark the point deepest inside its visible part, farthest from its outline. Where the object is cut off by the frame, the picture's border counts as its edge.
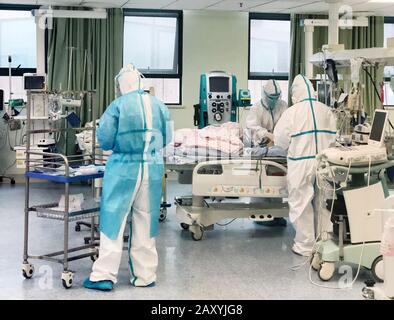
(198, 150)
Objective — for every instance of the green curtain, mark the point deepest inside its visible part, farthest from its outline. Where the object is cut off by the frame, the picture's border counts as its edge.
(96, 46)
(297, 43)
(355, 38)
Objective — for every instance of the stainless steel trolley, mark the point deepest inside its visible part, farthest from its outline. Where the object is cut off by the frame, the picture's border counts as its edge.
(58, 168)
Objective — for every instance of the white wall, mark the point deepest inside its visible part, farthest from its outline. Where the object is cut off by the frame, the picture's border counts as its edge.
(212, 40)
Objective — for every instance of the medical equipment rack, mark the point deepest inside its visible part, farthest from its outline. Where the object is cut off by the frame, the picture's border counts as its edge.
(58, 168)
(328, 252)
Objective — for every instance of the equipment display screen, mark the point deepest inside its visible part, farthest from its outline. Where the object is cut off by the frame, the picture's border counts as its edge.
(34, 82)
(378, 126)
(219, 84)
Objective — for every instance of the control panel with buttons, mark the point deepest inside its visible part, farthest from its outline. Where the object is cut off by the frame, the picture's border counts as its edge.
(219, 108)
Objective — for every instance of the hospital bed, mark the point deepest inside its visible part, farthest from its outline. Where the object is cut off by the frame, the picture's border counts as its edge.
(228, 189)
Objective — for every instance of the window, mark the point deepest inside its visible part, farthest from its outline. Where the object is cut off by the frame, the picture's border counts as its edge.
(269, 51)
(153, 43)
(18, 40)
(269, 46)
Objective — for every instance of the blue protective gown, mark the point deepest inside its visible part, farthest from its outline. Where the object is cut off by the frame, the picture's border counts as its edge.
(123, 130)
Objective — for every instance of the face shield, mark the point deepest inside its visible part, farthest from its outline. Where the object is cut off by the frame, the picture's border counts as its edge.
(271, 94)
(128, 79)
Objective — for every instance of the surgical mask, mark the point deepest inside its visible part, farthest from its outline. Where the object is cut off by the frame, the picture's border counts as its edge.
(271, 100)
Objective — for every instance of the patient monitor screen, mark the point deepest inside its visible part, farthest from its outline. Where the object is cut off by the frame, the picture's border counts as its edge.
(378, 126)
(219, 84)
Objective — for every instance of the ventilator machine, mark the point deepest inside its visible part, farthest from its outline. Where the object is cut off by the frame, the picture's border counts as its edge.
(218, 101)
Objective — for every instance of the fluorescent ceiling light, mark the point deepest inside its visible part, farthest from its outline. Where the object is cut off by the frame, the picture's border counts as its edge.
(382, 1)
(79, 14)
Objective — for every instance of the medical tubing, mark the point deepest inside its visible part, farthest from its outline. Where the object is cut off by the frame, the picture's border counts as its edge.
(226, 224)
(362, 250)
(307, 259)
(337, 287)
(334, 190)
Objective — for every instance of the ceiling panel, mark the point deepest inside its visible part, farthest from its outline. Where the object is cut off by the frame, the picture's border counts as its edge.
(318, 8)
(370, 6)
(103, 3)
(148, 4)
(284, 5)
(352, 2)
(57, 2)
(190, 4)
(235, 5)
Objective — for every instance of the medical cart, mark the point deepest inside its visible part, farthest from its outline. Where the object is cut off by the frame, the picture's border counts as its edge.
(58, 168)
(342, 247)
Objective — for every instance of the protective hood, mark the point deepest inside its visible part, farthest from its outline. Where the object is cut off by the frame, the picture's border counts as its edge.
(271, 93)
(127, 80)
(302, 89)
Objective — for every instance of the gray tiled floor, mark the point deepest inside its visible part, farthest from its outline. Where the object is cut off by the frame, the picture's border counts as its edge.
(240, 261)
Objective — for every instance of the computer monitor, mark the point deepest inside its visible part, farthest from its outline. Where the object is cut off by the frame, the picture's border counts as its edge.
(34, 82)
(376, 137)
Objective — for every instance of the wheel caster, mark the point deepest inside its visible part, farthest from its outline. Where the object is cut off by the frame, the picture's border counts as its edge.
(184, 226)
(326, 271)
(77, 228)
(67, 279)
(377, 269)
(163, 214)
(368, 293)
(316, 261)
(197, 234)
(27, 270)
(94, 257)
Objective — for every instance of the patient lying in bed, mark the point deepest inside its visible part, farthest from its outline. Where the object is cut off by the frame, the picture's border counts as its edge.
(224, 142)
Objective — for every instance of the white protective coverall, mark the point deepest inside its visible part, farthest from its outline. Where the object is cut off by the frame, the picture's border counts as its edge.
(263, 116)
(305, 129)
(134, 127)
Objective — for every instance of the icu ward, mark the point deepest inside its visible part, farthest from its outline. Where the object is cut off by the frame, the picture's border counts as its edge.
(196, 150)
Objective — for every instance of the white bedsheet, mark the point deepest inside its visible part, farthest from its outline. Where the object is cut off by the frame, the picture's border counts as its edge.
(224, 139)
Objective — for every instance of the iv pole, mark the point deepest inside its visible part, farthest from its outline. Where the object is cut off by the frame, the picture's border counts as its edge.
(12, 180)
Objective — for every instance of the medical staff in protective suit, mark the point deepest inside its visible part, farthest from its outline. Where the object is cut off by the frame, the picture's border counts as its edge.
(260, 122)
(135, 127)
(263, 116)
(305, 129)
